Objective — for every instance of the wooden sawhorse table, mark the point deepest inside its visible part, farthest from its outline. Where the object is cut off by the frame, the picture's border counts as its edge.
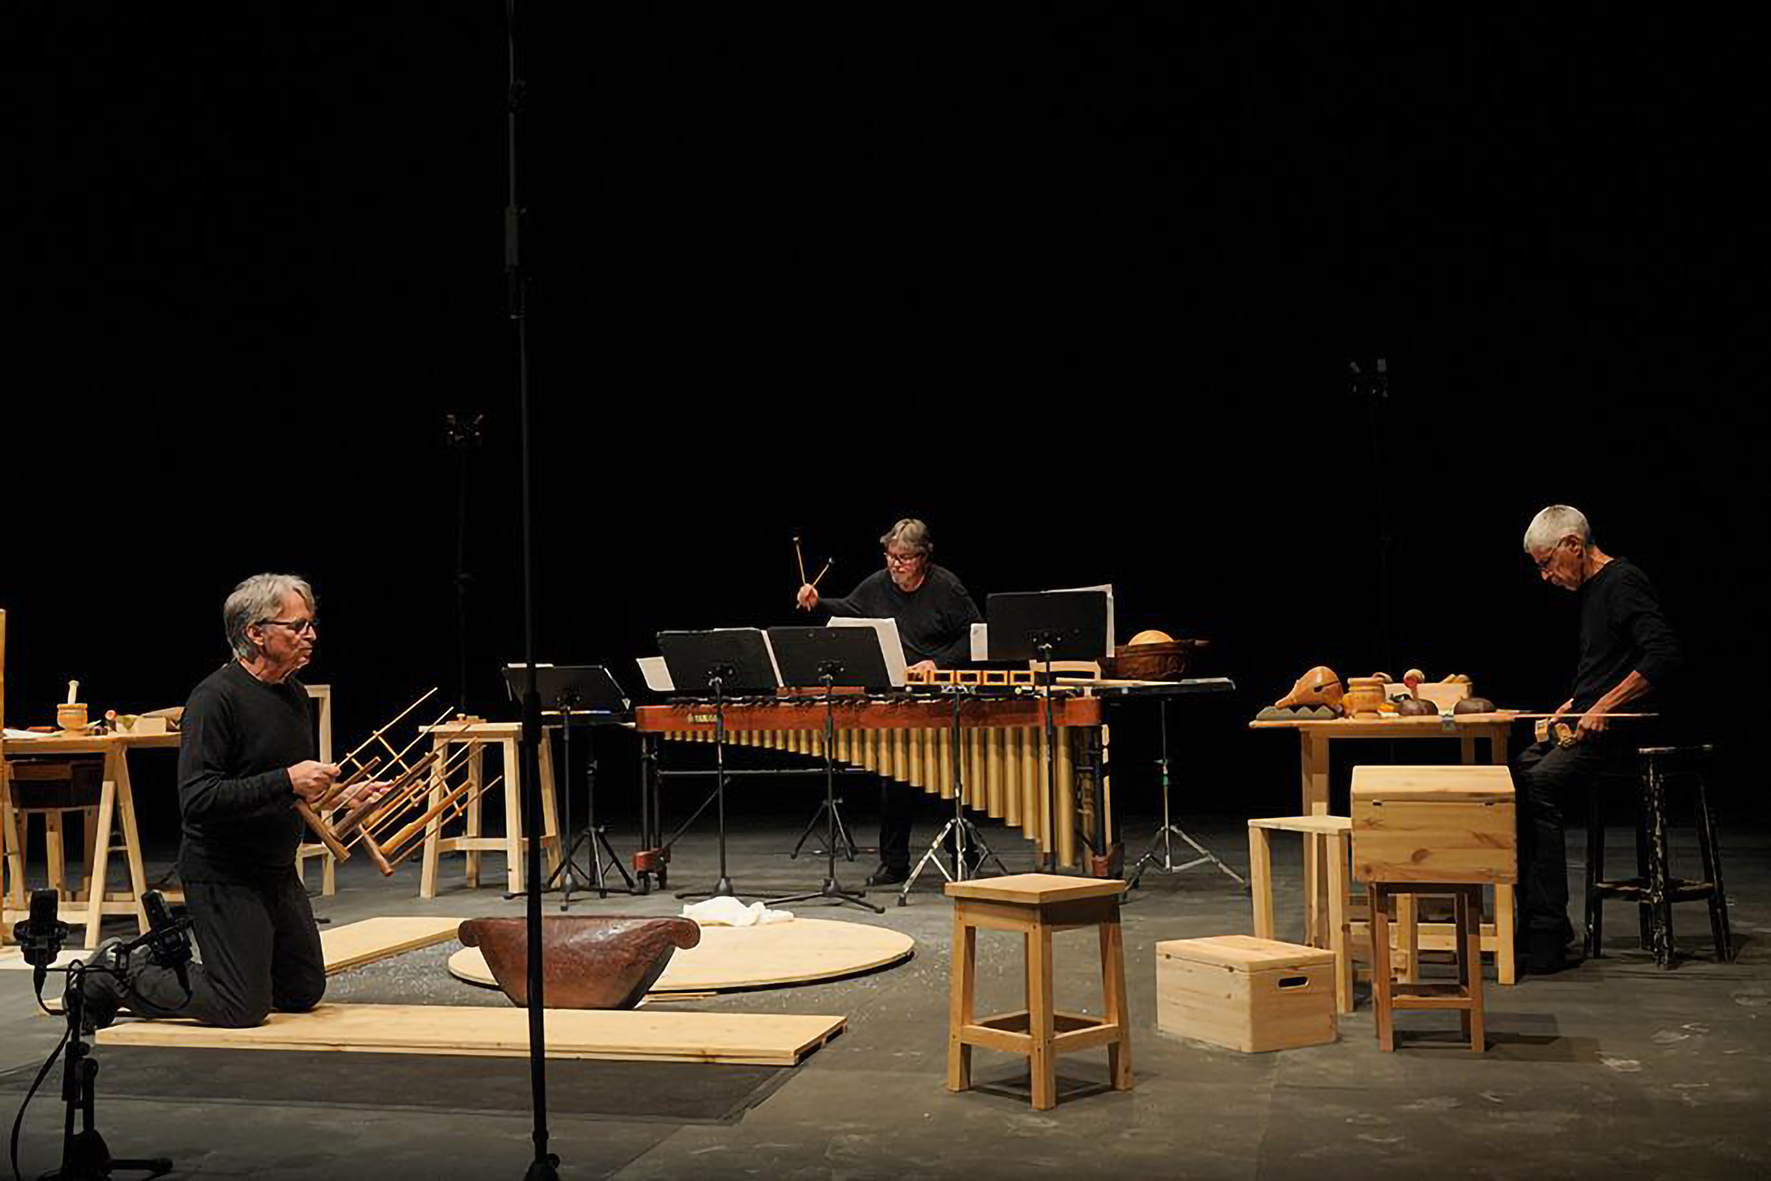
(1315, 736)
(507, 736)
(115, 811)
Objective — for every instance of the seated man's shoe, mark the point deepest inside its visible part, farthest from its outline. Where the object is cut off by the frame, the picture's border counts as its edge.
(1547, 952)
(100, 991)
(889, 875)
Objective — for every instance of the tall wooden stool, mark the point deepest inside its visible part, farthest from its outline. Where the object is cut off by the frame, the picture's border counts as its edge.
(1654, 888)
(506, 736)
(1036, 905)
(1433, 830)
(1331, 836)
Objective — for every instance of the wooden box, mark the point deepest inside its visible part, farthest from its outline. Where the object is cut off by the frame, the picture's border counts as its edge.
(1245, 993)
(1453, 824)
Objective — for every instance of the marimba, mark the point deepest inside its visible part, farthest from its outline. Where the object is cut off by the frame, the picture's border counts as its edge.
(1002, 748)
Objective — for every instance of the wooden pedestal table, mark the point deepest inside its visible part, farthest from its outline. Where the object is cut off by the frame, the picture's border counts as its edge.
(1315, 736)
(115, 817)
(1035, 905)
(507, 736)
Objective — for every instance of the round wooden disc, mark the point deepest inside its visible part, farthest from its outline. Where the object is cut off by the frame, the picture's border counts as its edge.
(794, 952)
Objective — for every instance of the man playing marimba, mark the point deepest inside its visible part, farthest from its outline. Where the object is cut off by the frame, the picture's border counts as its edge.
(1627, 653)
(247, 755)
(935, 616)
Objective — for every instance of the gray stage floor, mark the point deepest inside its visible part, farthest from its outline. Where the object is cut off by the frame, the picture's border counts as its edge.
(1615, 1067)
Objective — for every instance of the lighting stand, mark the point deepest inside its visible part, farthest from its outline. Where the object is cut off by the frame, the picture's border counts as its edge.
(831, 889)
(962, 830)
(1164, 838)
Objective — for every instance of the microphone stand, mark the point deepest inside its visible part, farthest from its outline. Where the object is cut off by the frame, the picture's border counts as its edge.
(831, 889)
(1044, 642)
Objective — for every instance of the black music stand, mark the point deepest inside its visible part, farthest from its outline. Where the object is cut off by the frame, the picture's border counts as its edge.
(585, 692)
(726, 660)
(1164, 838)
(820, 656)
(1048, 626)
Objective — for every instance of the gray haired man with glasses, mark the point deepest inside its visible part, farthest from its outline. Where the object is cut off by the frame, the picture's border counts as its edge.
(246, 757)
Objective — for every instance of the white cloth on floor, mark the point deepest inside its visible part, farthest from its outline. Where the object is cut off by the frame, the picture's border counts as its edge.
(729, 912)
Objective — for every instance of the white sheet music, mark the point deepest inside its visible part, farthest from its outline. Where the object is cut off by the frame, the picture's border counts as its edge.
(657, 676)
(890, 646)
(1107, 588)
(980, 641)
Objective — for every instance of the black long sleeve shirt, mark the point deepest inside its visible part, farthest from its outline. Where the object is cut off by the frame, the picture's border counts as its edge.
(1622, 631)
(934, 620)
(236, 806)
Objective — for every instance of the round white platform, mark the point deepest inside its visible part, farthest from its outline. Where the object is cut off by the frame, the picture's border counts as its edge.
(794, 952)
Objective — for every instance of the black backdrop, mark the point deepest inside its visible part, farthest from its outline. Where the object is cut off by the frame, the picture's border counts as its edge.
(1079, 286)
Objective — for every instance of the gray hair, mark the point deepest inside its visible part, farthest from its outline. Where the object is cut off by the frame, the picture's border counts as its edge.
(912, 533)
(255, 600)
(1550, 526)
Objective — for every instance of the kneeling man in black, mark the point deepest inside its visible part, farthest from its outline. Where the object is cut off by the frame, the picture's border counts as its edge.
(247, 756)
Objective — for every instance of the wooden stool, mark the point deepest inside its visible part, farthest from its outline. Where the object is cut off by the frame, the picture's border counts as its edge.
(1332, 838)
(477, 736)
(1654, 888)
(1433, 830)
(1036, 905)
(1463, 995)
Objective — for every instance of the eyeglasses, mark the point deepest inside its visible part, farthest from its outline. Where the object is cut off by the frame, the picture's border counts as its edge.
(1543, 563)
(300, 627)
(902, 559)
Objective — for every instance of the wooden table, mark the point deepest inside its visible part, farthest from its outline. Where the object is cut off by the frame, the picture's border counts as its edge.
(477, 736)
(1317, 735)
(116, 803)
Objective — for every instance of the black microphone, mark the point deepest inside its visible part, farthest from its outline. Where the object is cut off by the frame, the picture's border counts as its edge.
(40, 936)
(168, 944)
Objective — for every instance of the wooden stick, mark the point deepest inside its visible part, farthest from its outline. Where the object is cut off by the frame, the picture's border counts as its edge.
(332, 843)
(353, 754)
(400, 754)
(801, 559)
(459, 809)
(395, 789)
(827, 565)
(416, 828)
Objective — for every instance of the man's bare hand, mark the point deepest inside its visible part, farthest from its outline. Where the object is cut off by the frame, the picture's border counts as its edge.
(1563, 708)
(807, 597)
(311, 779)
(364, 793)
(923, 666)
(1593, 721)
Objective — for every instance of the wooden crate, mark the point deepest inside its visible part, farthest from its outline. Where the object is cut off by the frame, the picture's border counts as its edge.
(1245, 993)
(1455, 824)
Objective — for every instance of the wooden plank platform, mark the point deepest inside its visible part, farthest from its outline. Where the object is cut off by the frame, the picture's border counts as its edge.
(756, 1039)
(355, 944)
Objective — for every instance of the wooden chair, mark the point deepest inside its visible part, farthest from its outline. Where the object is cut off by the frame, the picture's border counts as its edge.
(1035, 905)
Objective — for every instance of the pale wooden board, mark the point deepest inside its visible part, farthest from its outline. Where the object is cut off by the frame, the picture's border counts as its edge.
(754, 957)
(757, 1039)
(356, 944)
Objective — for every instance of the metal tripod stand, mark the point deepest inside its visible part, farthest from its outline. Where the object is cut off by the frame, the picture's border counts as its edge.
(963, 832)
(1164, 839)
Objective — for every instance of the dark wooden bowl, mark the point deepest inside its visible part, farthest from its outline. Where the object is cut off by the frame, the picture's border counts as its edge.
(1153, 662)
(588, 962)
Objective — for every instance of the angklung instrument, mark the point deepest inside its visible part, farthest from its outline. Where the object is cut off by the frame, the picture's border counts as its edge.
(1003, 755)
(416, 788)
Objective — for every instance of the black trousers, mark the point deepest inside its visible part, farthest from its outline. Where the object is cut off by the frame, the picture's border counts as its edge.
(1547, 780)
(897, 814)
(260, 952)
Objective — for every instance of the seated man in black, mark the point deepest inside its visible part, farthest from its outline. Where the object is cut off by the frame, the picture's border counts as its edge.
(935, 617)
(1627, 654)
(247, 755)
